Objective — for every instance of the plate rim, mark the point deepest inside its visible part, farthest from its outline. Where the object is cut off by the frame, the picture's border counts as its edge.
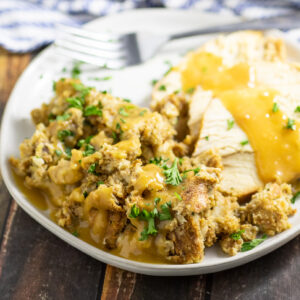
(101, 255)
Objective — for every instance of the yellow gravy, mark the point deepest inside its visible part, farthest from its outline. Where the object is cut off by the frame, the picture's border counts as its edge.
(82, 230)
(276, 147)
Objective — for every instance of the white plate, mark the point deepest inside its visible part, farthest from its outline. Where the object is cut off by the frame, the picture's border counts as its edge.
(133, 83)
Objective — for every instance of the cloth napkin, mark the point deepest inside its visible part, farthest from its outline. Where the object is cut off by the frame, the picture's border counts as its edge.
(30, 24)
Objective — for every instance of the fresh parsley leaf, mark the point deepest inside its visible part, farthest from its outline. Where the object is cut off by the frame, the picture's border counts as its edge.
(135, 211)
(243, 143)
(92, 110)
(127, 100)
(162, 88)
(237, 235)
(196, 170)
(297, 109)
(63, 117)
(157, 160)
(115, 137)
(275, 107)
(156, 200)
(165, 213)
(58, 152)
(252, 244)
(54, 86)
(68, 152)
(92, 168)
(178, 196)
(230, 124)
(295, 197)
(172, 173)
(75, 233)
(100, 182)
(291, 124)
(62, 134)
(151, 227)
(123, 112)
(89, 149)
(154, 81)
(100, 78)
(206, 138)
(85, 194)
(76, 70)
(190, 90)
(144, 235)
(142, 112)
(75, 102)
(82, 89)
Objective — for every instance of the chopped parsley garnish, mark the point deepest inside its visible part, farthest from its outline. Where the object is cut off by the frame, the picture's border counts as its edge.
(157, 160)
(176, 92)
(92, 168)
(75, 233)
(149, 217)
(119, 128)
(122, 112)
(75, 102)
(89, 149)
(127, 100)
(230, 124)
(297, 109)
(295, 197)
(206, 137)
(62, 134)
(122, 120)
(178, 196)
(156, 200)
(172, 173)
(237, 235)
(101, 78)
(64, 70)
(92, 110)
(68, 152)
(115, 137)
(63, 117)
(162, 88)
(76, 70)
(135, 211)
(243, 143)
(165, 213)
(85, 194)
(100, 182)
(252, 244)
(142, 112)
(291, 124)
(275, 107)
(82, 89)
(154, 81)
(196, 170)
(54, 86)
(58, 152)
(190, 90)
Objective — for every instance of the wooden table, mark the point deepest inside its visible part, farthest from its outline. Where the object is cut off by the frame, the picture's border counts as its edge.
(34, 264)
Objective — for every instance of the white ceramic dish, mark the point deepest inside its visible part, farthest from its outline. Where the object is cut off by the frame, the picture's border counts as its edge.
(35, 87)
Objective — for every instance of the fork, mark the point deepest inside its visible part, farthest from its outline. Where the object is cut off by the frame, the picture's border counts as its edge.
(115, 51)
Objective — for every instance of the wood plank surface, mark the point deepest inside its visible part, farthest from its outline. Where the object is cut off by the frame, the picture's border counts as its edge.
(34, 264)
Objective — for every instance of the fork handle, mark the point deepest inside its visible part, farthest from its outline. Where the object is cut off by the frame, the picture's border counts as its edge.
(280, 22)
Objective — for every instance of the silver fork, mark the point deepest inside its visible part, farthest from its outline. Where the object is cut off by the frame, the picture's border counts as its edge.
(115, 51)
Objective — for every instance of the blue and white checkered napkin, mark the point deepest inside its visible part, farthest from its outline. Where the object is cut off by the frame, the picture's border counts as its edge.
(29, 24)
